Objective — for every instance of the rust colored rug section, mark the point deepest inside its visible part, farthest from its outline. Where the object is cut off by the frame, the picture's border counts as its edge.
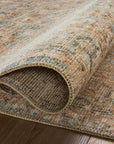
(56, 63)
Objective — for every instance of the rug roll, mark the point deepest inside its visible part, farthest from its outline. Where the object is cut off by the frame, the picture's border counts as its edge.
(49, 67)
(42, 87)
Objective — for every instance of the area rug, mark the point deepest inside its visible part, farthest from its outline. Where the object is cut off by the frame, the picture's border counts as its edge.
(57, 63)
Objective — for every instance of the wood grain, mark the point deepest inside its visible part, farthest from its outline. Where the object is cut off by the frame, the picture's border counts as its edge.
(51, 135)
(17, 131)
(99, 141)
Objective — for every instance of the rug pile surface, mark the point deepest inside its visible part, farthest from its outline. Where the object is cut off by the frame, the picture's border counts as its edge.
(57, 63)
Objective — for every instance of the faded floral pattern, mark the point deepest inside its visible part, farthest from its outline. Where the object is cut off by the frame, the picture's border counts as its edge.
(72, 37)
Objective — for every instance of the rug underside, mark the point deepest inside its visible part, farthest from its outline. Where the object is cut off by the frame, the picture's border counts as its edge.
(57, 68)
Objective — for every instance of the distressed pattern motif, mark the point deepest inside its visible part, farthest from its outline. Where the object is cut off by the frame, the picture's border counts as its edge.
(92, 111)
(71, 37)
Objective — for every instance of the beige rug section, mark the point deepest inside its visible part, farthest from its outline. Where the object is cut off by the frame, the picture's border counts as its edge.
(56, 63)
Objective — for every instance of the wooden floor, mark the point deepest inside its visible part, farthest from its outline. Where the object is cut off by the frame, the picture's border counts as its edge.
(17, 131)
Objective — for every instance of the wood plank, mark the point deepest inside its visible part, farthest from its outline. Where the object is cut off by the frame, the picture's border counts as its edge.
(4, 121)
(18, 134)
(16, 131)
(99, 141)
(24, 132)
(52, 135)
(4, 125)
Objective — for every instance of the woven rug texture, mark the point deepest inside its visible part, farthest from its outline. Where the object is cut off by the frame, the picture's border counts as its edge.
(57, 63)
